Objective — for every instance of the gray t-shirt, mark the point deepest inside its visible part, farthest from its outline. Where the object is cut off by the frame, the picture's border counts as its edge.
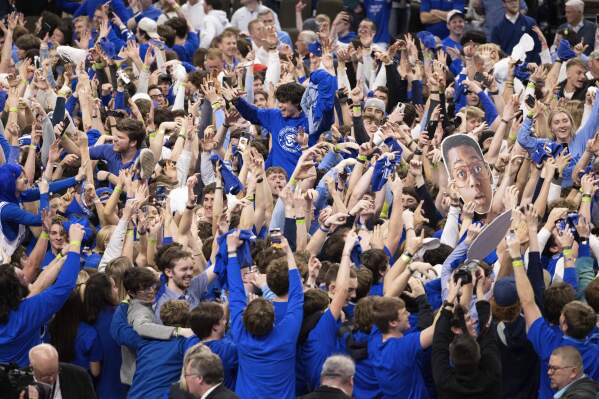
(198, 286)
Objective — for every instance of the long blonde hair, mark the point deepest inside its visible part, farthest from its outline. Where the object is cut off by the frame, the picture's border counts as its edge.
(116, 269)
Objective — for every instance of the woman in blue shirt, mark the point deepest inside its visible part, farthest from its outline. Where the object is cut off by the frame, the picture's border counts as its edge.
(99, 302)
(76, 341)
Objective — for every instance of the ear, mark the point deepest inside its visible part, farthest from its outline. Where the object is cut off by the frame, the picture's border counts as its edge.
(168, 272)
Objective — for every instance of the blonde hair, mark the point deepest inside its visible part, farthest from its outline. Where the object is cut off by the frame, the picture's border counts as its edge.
(103, 236)
(575, 108)
(474, 112)
(82, 278)
(116, 269)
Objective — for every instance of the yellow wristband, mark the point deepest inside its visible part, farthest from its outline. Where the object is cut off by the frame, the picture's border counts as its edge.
(300, 221)
(75, 243)
(32, 146)
(58, 256)
(152, 135)
(567, 252)
(518, 263)
(405, 258)
(357, 108)
(292, 181)
(44, 235)
(531, 85)
(587, 199)
(130, 233)
(152, 241)
(362, 158)
(13, 109)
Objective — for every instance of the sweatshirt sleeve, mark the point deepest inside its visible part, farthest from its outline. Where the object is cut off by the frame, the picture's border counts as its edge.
(121, 331)
(238, 300)
(115, 244)
(586, 132)
(14, 214)
(142, 321)
(525, 139)
(40, 308)
(254, 114)
(489, 106)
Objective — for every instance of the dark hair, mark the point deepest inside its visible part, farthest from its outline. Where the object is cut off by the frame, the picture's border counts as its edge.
(168, 254)
(259, 317)
(12, 292)
(179, 25)
(580, 319)
(363, 315)
(555, 298)
(63, 327)
(215, 4)
(137, 279)
(291, 92)
(204, 317)
(385, 310)
(277, 276)
(375, 260)
(97, 296)
(591, 294)
(331, 274)
(315, 300)
(464, 351)
(276, 169)
(134, 130)
(166, 32)
(364, 282)
(333, 246)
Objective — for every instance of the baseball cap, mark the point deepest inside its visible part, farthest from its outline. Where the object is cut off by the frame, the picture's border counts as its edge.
(149, 26)
(375, 103)
(504, 291)
(453, 13)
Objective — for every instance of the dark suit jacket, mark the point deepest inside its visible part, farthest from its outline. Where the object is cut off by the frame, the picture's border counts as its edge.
(325, 392)
(221, 392)
(75, 382)
(585, 388)
(587, 32)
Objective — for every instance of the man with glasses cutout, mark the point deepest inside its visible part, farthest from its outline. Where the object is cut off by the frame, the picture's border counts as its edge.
(204, 376)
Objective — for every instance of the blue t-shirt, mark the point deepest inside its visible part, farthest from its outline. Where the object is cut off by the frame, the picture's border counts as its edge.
(395, 365)
(108, 385)
(112, 158)
(320, 344)
(545, 338)
(87, 346)
(440, 28)
(347, 38)
(378, 11)
(227, 351)
(280, 310)
(365, 383)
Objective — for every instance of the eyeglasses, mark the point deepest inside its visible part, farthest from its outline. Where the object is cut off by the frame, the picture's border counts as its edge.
(552, 369)
(462, 173)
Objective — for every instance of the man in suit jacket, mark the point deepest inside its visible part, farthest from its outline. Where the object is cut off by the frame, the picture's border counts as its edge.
(67, 380)
(584, 29)
(204, 376)
(566, 372)
(336, 379)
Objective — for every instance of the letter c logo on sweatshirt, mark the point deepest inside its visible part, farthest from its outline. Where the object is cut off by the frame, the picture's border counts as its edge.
(287, 139)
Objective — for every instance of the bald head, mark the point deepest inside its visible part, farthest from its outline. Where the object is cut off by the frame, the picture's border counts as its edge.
(43, 359)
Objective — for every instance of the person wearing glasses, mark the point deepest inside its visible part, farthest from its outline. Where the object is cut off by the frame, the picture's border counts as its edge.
(204, 376)
(466, 167)
(566, 372)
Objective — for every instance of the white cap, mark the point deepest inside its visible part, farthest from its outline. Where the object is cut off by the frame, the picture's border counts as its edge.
(149, 26)
(141, 96)
(72, 54)
(453, 13)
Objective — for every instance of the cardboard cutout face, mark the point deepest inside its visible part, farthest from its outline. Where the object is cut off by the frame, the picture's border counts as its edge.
(466, 166)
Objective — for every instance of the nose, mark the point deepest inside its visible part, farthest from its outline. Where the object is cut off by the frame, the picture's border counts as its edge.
(472, 181)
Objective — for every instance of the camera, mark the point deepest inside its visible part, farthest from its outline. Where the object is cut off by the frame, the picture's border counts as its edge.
(14, 380)
(464, 272)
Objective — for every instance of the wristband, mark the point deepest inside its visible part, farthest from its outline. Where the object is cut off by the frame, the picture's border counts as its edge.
(190, 207)
(531, 85)
(44, 235)
(587, 199)
(118, 190)
(567, 252)
(76, 243)
(152, 241)
(152, 135)
(251, 198)
(324, 229)
(32, 146)
(362, 158)
(300, 221)
(218, 188)
(406, 257)
(336, 148)
(530, 114)
(517, 263)
(130, 233)
(292, 181)
(232, 254)
(216, 105)
(357, 109)
(259, 180)
(13, 109)
(493, 93)
(58, 256)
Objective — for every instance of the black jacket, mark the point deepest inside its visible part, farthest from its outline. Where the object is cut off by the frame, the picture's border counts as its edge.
(325, 392)
(75, 382)
(585, 388)
(483, 381)
(221, 392)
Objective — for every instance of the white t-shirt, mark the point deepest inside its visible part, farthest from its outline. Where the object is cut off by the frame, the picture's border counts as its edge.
(194, 14)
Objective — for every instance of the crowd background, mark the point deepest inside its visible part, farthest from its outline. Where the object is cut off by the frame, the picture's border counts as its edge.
(213, 199)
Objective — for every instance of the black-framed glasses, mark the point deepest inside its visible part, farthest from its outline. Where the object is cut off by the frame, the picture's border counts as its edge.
(552, 369)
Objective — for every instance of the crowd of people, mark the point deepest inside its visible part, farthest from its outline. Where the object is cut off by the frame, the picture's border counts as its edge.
(196, 202)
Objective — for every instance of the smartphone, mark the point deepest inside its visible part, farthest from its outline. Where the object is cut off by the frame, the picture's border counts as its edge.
(530, 101)
(65, 124)
(157, 43)
(341, 95)
(123, 76)
(243, 142)
(479, 77)
(227, 80)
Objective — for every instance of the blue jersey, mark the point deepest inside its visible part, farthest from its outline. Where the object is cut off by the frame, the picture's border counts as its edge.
(440, 28)
(378, 11)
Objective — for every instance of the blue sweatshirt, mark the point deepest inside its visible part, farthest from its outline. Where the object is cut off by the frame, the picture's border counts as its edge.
(269, 359)
(108, 385)
(158, 363)
(576, 146)
(12, 215)
(23, 329)
(507, 35)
